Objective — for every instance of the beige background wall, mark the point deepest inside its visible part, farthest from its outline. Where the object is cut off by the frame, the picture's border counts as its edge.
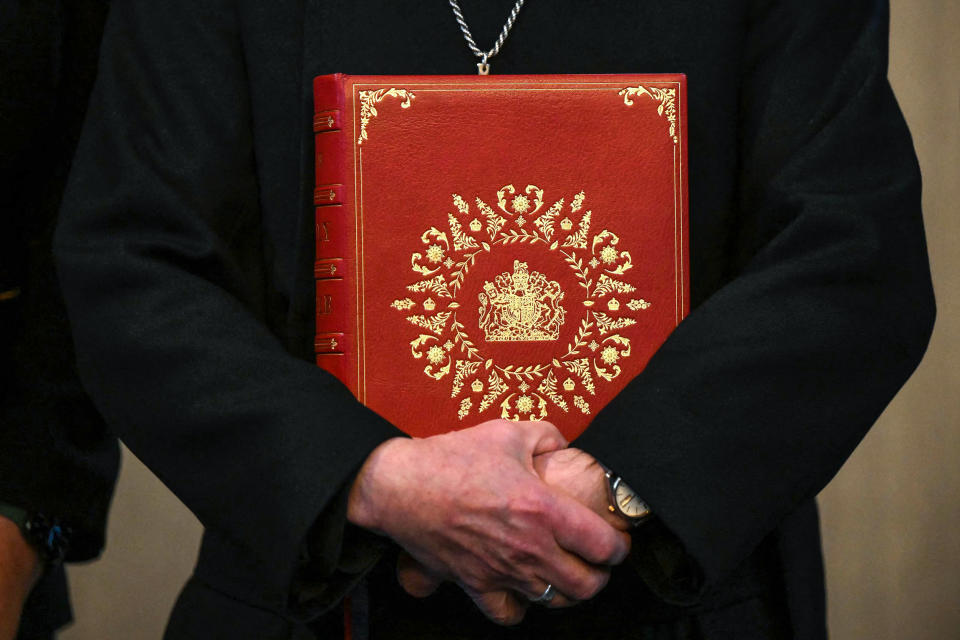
(891, 519)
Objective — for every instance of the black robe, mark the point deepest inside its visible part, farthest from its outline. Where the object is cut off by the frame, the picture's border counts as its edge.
(56, 455)
(185, 252)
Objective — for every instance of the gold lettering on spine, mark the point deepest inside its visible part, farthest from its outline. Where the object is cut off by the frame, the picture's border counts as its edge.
(325, 304)
(329, 266)
(323, 231)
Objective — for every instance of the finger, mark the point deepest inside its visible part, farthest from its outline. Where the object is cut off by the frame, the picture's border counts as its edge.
(502, 607)
(542, 437)
(573, 579)
(586, 534)
(558, 601)
(414, 577)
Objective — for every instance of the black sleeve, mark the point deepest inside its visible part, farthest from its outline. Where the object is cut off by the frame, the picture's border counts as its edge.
(56, 455)
(759, 396)
(159, 250)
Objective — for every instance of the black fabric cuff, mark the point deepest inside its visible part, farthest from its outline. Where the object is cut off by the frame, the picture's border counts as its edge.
(337, 555)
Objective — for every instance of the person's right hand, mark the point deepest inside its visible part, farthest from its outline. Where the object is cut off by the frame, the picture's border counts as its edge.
(468, 506)
(19, 569)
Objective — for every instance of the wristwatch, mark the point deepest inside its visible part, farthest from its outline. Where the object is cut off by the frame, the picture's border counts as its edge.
(624, 501)
(47, 535)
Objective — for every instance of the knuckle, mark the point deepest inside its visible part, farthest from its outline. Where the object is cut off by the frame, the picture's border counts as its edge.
(530, 503)
(486, 583)
(605, 547)
(588, 586)
(476, 583)
(523, 553)
(600, 580)
(583, 583)
(479, 580)
(491, 430)
(582, 591)
(502, 427)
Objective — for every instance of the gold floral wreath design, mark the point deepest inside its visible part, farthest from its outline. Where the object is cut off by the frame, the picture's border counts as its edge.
(443, 265)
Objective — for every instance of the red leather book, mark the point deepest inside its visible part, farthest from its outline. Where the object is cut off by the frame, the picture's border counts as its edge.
(497, 246)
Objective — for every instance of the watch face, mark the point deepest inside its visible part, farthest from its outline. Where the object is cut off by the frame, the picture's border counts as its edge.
(630, 503)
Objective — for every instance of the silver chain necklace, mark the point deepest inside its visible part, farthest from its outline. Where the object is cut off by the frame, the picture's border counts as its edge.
(483, 68)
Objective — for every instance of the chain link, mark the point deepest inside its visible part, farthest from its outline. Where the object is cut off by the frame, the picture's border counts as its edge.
(507, 26)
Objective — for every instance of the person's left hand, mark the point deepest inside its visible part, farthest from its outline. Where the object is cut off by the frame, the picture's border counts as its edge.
(571, 470)
(578, 474)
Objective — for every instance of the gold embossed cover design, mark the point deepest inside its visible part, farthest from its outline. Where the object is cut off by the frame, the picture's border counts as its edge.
(497, 247)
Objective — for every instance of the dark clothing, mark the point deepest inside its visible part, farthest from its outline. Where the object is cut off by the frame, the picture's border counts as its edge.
(47, 609)
(56, 456)
(186, 248)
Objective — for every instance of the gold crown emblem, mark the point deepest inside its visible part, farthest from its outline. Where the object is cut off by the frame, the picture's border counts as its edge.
(522, 306)
(429, 304)
(613, 305)
(477, 386)
(475, 225)
(568, 384)
(566, 224)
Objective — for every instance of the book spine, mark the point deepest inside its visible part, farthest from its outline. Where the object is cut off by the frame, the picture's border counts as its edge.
(333, 343)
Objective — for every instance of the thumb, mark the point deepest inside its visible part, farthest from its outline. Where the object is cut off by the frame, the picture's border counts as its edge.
(542, 437)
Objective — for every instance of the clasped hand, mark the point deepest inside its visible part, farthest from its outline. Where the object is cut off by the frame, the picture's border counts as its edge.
(502, 508)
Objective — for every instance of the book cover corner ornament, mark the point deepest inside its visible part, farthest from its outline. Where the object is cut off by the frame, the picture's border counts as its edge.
(499, 246)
